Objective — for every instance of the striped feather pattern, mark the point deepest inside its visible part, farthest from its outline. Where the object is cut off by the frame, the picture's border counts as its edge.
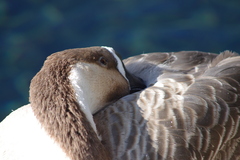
(190, 109)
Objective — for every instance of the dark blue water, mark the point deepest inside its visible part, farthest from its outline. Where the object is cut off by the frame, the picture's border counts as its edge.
(31, 30)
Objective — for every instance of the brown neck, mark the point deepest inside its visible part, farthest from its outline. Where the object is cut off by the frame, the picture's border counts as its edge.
(54, 104)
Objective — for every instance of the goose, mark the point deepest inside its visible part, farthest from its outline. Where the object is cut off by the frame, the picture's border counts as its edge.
(58, 124)
(190, 109)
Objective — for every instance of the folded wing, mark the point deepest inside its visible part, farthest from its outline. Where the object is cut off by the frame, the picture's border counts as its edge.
(190, 110)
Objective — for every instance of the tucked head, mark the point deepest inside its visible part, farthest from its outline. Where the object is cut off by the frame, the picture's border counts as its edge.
(71, 86)
(89, 78)
(98, 78)
(95, 73)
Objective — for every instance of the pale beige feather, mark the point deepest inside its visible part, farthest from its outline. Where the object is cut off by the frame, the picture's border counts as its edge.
(190, 110)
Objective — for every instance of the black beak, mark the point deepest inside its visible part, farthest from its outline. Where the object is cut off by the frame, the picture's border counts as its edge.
(136, 83)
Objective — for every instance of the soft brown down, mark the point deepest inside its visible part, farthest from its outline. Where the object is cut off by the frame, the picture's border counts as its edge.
(54, 102)
(195, 114)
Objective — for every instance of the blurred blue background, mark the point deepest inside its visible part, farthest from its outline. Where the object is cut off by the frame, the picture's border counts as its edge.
(30, 30)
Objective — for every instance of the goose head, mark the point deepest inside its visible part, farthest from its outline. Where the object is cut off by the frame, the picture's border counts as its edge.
(71, 86)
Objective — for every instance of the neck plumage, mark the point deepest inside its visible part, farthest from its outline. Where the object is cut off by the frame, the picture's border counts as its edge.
(55, 106)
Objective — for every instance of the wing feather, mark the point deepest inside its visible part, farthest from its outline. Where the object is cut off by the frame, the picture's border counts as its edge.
(189, 110)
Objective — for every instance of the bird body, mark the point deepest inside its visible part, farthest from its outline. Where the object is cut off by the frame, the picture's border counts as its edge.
(80, 108)
(189, 110)
(58, 124)
(26, 138)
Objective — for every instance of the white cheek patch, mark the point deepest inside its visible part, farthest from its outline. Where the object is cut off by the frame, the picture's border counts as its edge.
(77, 84)
(119, 62)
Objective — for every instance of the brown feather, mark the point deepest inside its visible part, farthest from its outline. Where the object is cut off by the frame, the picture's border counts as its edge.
(190, 110)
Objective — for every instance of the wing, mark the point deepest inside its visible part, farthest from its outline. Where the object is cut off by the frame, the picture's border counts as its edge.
(190, 109)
